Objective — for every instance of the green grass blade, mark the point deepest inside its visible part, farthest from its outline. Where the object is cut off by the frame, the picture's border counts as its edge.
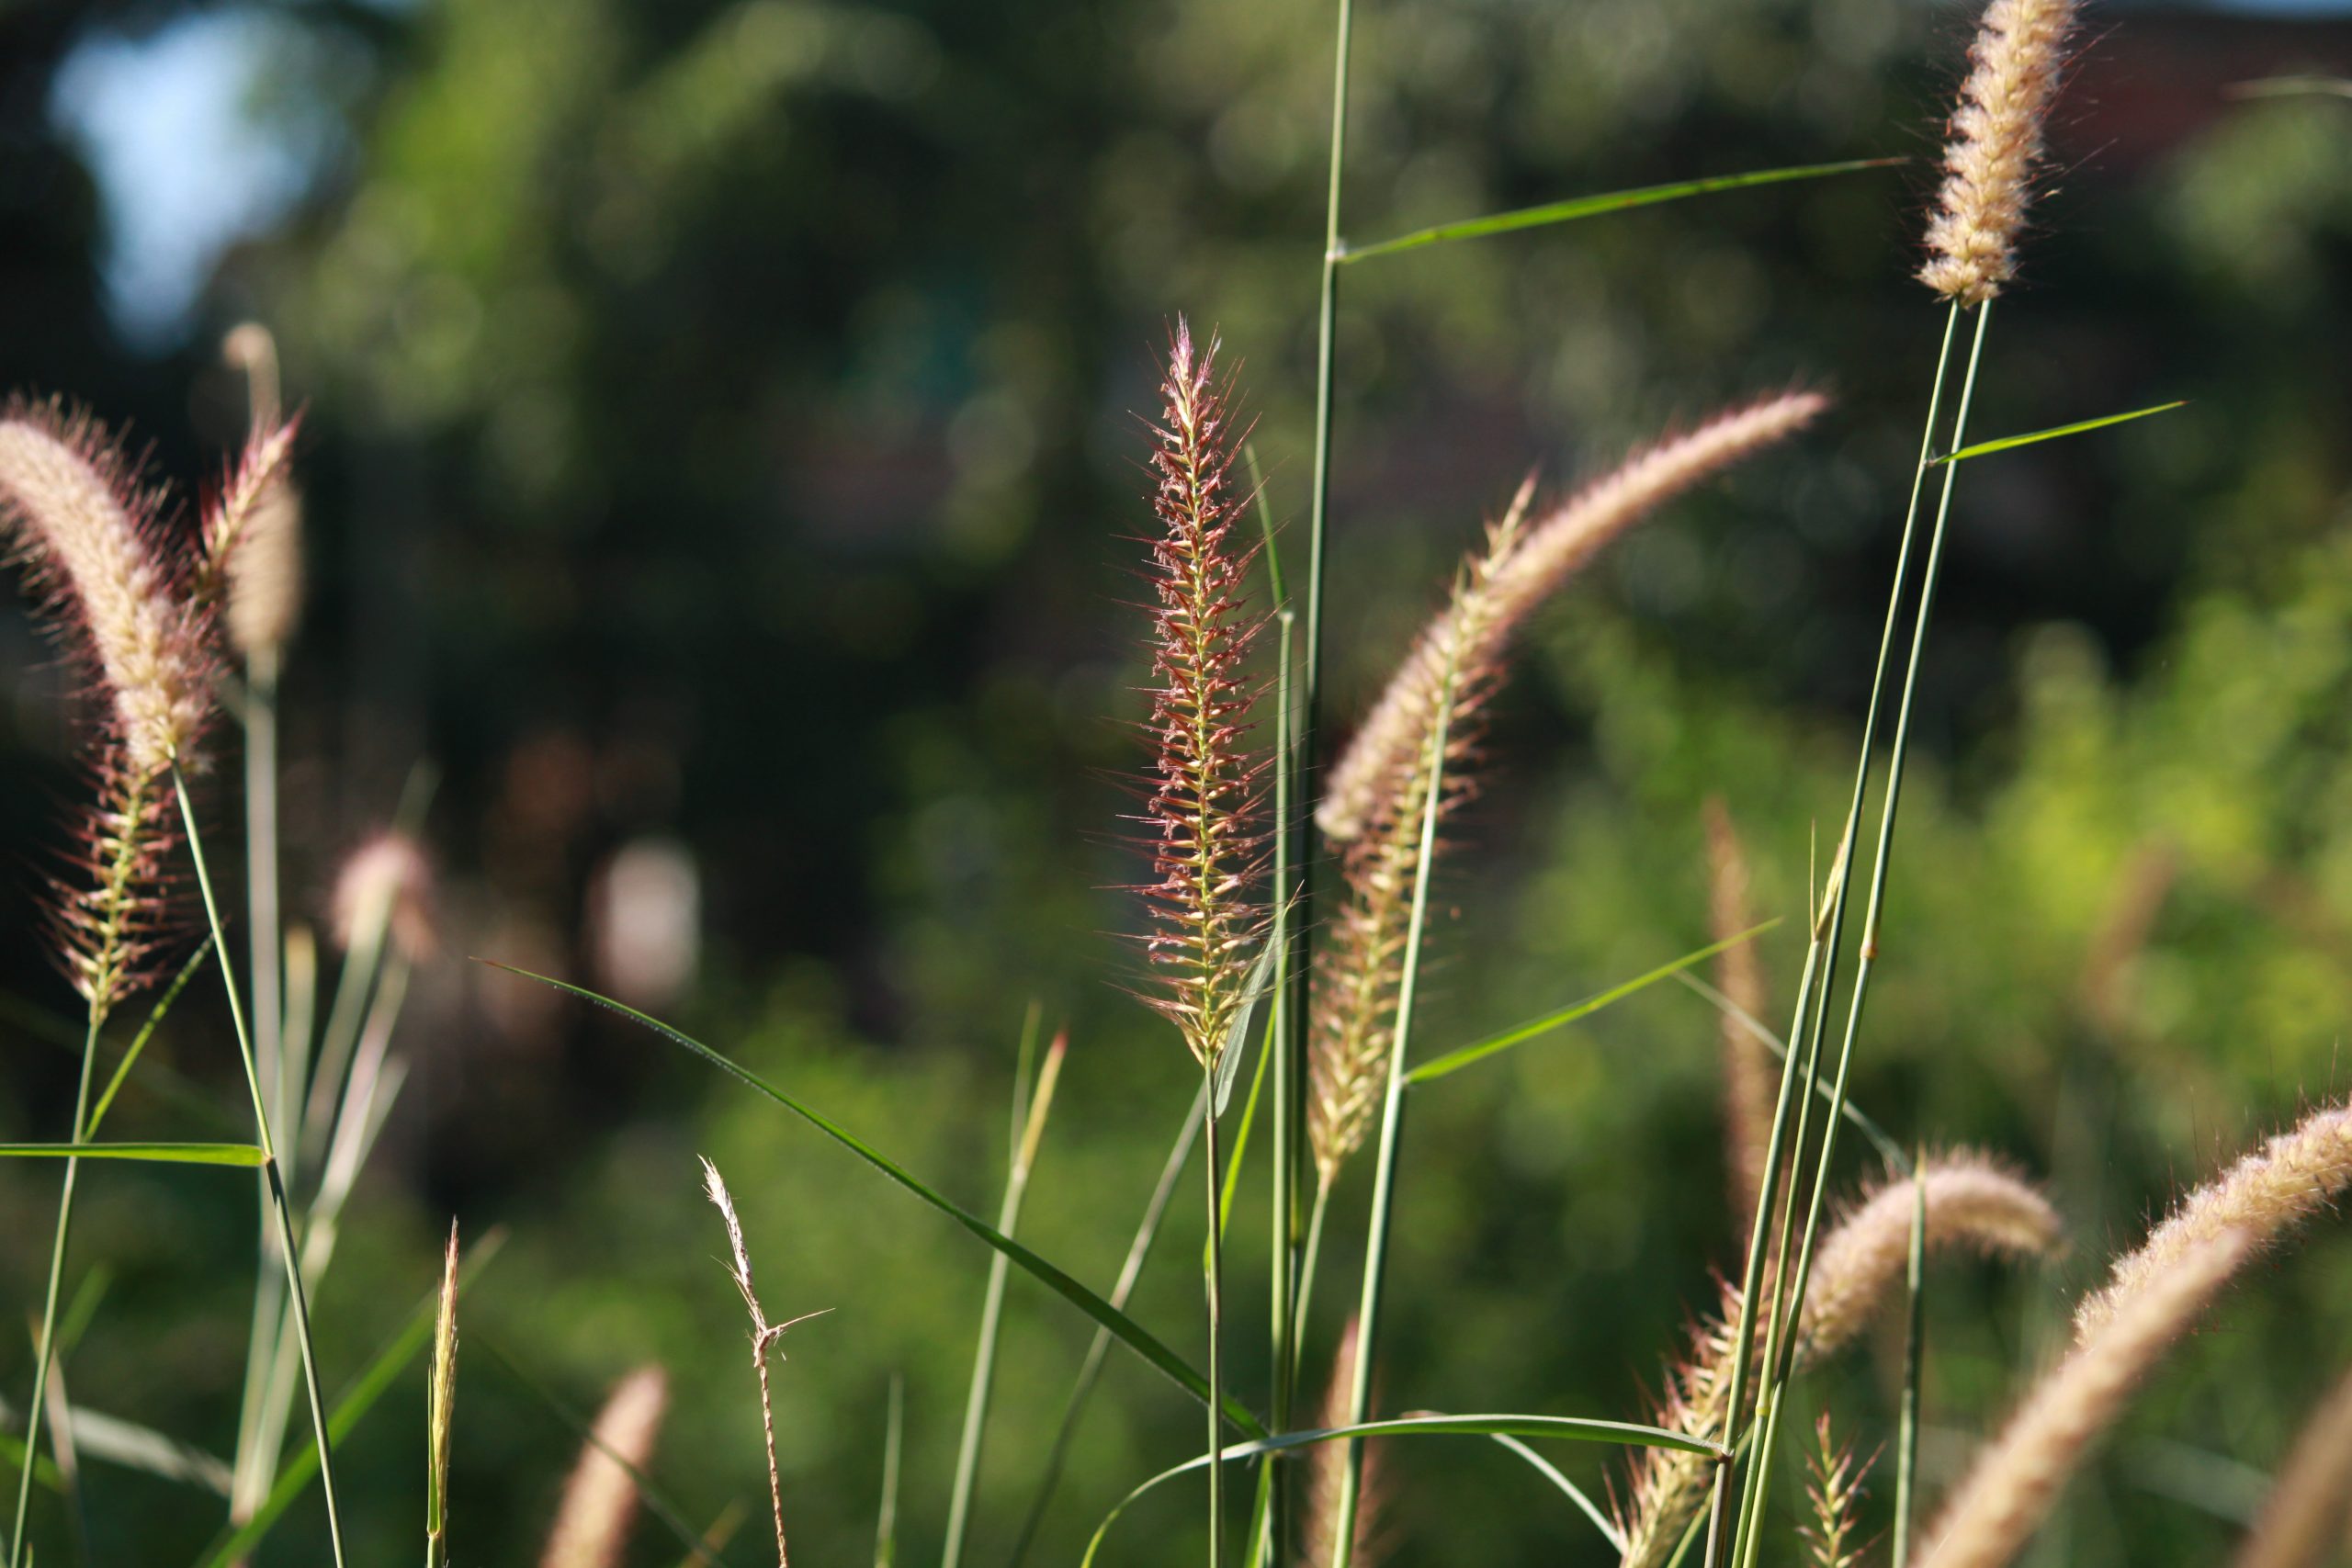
(2009, 442)
(1551, 1473)
(1454, 1061)
(1241, 1139)
(1907, 1441)
(1595, 206)
(1881, 1140)
(1570, 1428)
(147, 1031)
(1129, 1332)
(246, 1156)
(657, 1501)
(350, 1408)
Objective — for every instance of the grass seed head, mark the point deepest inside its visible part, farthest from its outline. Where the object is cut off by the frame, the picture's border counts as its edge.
(1993, 147)
(592, 1523)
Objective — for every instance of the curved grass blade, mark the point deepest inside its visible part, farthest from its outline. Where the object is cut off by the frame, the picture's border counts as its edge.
(1551, 1473)
(886, 1521)
(1454, 1061)
(247, 1155)
(657, 1501)
(147, 1031)
(2033, 437)
(1571, 1428)
(1595, 206)
(1888, 1149)
(1135, 1336)
(350, 1408)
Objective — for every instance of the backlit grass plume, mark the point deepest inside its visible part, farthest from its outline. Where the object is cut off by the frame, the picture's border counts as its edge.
(1379, 788)
(1751, 1085)
(1996, 144)
(1975, 1205)
(91, 534)
(1208, 893)
(2293, 1176)
(1832, 1494)
(2011, 1489)
(260, 514)
(1326, 1468)
(2306, 1517)
(599, 1503)
(440, 1412)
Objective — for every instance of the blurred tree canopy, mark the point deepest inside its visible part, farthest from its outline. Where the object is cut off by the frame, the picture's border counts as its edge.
(722, 429)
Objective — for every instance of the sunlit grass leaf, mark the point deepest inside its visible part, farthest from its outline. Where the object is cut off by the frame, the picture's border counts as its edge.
(1454, 1061)
(1132, 1334)
(1570, 1428)
(2007, 442)
(1595, 206)
(248, 1156)
(350, 1408)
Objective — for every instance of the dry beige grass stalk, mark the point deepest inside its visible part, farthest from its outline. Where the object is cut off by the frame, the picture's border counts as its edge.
(1751, 1082)
(2305, 1517)
(2016, 1480)
(591, 1524)
(2289, 1179)
(1326, 1466)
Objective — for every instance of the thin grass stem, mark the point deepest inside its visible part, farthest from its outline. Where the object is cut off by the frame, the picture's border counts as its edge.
(1875, 907)
(885, 1517)
(1384, 1190)
(46, 1341)
(1215, 1283)
(1914, 1347)
(269, 1166)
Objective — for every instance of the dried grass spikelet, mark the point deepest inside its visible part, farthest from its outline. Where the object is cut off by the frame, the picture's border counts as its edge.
(1993, 146)
(256, 531)
(1378, 792)
(440, 1408)
(91, 534)
(1205, 807)
(592, 1523)
(1833, 1492)
(1389, 743)
(1751, 1087)
(2014, 1482)
(2310, 1506)
(1974, 1204)
(764, 1336)
(1327, 1465)
(389, 879)
(2290, 1178)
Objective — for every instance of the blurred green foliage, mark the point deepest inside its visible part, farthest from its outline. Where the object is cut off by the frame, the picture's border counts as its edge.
(721, 427)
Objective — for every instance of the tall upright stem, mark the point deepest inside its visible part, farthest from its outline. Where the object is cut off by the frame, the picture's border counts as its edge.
(1804, 1039)
(1215, 1282)
(1898, 755)
(294, 1290)
(1392, 1120)
(46, 1342)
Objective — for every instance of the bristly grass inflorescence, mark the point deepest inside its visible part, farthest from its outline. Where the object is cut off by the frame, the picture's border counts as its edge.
(1205, 811)
(1994, 147)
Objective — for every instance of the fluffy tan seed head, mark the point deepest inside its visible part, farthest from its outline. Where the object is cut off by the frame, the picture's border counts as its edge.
(76, 514)
(2290, 1178)
(1750, 1084)
(2014, 1481)
(2310, 1506)
(1973, 1205)
(1327, 1470)
(1550, 551)
(1995, 144)
(387, 884)
(253, 531)
(599, 1503)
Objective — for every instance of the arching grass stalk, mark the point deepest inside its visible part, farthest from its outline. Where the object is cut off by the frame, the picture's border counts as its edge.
(1821, 964)
(1872, 915)
(1392, 1116)
(269, 1164)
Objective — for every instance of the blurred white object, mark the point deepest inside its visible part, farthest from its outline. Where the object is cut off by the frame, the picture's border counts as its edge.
(645, 921)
